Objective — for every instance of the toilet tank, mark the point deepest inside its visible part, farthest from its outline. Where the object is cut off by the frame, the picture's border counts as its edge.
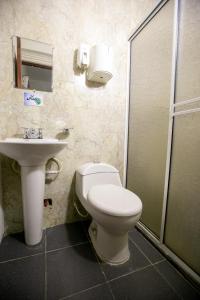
(91, 174)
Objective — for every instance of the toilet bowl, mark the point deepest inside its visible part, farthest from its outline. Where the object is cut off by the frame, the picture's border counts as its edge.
(114, 210)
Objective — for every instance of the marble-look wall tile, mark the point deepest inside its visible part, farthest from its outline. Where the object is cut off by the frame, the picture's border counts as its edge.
(95, 112)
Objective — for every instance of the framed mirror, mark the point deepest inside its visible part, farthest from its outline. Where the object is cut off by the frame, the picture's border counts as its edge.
(32, 64)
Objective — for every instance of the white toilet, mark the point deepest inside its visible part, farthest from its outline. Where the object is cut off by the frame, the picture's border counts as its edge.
(114, 210)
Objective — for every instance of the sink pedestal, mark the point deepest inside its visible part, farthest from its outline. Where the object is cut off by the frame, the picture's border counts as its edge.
(33, 184)
(32, 155)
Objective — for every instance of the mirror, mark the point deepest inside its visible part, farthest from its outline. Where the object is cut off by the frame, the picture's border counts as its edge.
(33, 64)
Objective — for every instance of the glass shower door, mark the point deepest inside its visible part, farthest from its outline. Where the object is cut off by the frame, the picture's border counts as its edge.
(150, 81)
(182, 229)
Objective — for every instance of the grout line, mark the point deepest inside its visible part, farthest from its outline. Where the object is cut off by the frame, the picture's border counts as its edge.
(101, 269)
(107, 282)
(20, 258)
(152, 246)
(166, 280)
(66, 247)
(148, 240)
(164, 259)
(140, 250)
(45, 267)
(131, 272)
(159, 261)
(98, 261)
(110, 289)
(181, 275)
(82, 291)
(97, 285)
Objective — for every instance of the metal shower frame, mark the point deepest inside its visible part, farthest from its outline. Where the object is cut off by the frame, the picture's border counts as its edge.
(172, 114)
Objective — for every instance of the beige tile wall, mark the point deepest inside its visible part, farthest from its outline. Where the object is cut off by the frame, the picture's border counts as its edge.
(96, 113)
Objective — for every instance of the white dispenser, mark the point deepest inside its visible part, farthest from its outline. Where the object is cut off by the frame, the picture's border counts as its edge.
(100, 64)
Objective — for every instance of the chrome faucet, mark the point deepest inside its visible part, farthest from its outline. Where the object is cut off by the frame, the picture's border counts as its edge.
(33, 133)
(67, 130)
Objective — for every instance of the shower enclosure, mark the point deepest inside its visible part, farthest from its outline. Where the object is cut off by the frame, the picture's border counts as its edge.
(163, 161)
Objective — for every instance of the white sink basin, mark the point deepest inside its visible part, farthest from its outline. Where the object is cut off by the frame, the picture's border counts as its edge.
(32, 155)
(31, 152)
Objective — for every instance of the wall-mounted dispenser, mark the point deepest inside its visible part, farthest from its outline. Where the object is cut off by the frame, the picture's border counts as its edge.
(100, 64)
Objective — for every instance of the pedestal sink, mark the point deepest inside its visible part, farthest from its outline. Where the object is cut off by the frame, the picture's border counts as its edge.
(32, 155)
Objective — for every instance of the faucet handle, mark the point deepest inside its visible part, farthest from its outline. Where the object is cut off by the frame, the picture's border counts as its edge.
(66, 130)
(25, 132)
(40, 133)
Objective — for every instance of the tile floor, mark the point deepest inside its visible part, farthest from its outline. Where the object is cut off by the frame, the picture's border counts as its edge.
(64, 266)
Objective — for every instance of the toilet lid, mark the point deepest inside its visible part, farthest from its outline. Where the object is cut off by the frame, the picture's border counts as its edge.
(114, 200)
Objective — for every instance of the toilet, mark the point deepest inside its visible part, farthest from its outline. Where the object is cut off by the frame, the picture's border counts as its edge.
(114, 210)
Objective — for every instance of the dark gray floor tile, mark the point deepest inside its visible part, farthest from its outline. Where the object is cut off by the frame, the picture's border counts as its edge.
(179, 283)
(149, 250)
(71, 270)
(86, 225)
(137, 260)
(145, 284)
(65, 235)
(23, 279)
(96, 293)
(13, 246)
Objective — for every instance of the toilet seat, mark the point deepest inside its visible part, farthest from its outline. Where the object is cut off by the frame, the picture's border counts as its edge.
(114, 200)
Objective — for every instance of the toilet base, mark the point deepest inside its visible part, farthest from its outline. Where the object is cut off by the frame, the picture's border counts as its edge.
(111, 248)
